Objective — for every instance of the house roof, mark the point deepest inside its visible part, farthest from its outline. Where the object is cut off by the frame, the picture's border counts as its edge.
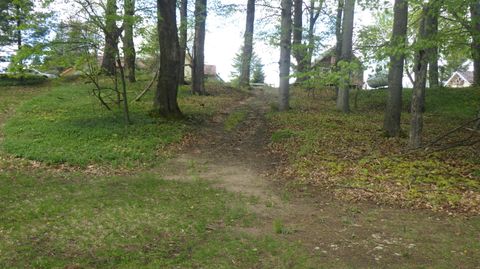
(465, 75)
(331, 53)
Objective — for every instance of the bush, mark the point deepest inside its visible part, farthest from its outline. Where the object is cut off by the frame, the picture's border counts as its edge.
(20, 79)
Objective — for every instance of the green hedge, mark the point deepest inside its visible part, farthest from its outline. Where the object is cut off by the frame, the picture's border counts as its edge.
(20, 79)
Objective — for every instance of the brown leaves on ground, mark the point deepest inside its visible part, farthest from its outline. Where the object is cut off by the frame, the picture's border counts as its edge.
(349, 155)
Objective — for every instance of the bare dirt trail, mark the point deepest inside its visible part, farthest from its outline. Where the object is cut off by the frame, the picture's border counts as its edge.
(341, 234)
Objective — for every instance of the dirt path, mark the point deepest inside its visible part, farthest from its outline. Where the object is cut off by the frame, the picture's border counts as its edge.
(340, 234)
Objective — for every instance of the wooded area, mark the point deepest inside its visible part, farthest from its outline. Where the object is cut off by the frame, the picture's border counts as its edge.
(123, 145)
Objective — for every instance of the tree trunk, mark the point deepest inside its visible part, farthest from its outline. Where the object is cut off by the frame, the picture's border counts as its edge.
(418, 94)
(393, 109)
(111, 32)
(338, 36)
(338, 31)
(183, 39)
(343, 103)
(299, 50)
(247, 45)
(19, 24)
(165, 102)
(198, 86)
(314, 14)
(432, 53)
(285, 51)
(475, 15)
(128, 45)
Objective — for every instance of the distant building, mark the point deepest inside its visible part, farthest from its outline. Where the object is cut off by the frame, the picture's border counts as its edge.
(209, 70)
(460, 79)
(327, 61)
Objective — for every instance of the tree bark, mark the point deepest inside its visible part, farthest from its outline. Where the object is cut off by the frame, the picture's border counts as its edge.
(418, 94)
(432, 53)
(314, 15)
(475, 15)
(338, 36)
(338, 31)
(285, 52)
(299, 50)
(165, 102)
(247, 45)
(183, 39)
(393, 109)
(19, 24)
(343, 102)
(128, 45)
(198, 76)
(111, 33)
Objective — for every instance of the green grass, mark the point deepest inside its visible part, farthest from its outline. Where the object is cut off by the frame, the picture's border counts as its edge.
(450, 103)
(11, 97)
(68, 125)
(129, 222)
(326, 147)
(234, 119)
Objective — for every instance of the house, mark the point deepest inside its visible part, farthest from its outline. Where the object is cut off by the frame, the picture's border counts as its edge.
(210, 71)
(327, 61)
(460, 79)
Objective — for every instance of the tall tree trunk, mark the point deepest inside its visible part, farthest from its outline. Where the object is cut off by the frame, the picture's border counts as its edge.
(285, 52)
(338, 31)
(418, 95)
(338, 36)
(165, 102)
(198, 76)
(313, 17)
(346, 56)
(247, 45)
(128, 45)
(393, 109)
(19, 24)
(432, 53)
(183, 38)
(298, 49)
(475, 15)
(111, 32)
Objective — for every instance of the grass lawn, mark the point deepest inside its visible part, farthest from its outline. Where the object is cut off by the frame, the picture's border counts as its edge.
(56, 219)
(350, 154)
(68, 125)
(143, 221)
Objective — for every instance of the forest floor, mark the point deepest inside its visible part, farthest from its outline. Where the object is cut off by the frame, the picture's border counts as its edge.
(340, 234)
(218, 201)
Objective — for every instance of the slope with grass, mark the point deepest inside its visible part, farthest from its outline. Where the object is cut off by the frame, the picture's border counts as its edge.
(68, 125)
(52, 217)
(350, 155)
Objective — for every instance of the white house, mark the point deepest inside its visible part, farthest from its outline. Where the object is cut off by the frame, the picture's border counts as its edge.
(460, 79)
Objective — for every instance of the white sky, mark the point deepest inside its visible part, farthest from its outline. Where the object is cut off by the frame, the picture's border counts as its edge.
(225, 37)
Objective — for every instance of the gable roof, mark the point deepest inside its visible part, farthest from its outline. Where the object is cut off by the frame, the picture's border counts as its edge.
(465, 75)
(331, 53)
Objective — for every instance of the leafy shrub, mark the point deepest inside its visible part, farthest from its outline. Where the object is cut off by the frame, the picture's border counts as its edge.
(20, 79)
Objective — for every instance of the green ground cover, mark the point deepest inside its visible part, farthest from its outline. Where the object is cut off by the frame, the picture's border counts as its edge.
(143, 221)
(350, 153)
(68, 125)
